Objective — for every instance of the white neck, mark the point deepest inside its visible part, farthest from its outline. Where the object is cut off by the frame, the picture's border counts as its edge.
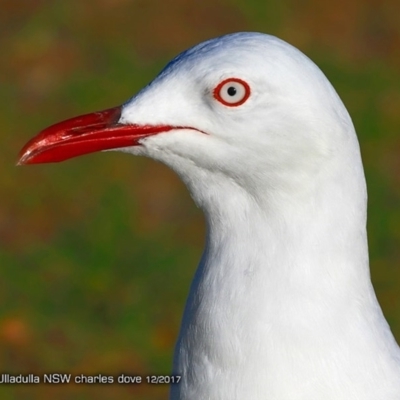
(281, 306)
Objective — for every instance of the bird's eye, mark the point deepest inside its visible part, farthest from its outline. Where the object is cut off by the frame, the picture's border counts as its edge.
(232, 92)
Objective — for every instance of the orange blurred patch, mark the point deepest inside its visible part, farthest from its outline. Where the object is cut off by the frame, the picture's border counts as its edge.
(15, 331)
(164, 336)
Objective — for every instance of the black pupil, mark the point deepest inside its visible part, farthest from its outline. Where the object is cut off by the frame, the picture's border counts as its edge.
(231, 91)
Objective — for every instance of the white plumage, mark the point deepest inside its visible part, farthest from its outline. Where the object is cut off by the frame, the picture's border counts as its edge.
(281, 306)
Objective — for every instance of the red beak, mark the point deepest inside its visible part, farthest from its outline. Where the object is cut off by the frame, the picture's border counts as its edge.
(85, 134)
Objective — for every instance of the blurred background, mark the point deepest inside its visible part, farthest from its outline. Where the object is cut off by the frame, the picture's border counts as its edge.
(97, 253)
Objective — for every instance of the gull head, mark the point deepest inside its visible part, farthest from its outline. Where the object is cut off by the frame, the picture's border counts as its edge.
(245, 110)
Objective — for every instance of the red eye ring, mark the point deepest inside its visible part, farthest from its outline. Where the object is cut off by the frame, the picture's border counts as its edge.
(226, 93)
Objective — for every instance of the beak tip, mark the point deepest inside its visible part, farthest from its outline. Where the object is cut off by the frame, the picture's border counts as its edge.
(72, 137)
(23, 158)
